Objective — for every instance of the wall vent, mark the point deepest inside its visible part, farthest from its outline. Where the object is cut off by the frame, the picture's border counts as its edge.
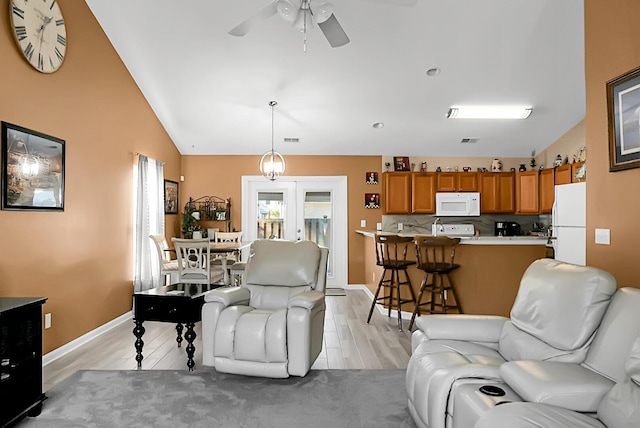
(469, 140)
(291, 140)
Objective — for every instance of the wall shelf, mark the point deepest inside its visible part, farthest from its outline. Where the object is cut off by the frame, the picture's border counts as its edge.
(212, 208)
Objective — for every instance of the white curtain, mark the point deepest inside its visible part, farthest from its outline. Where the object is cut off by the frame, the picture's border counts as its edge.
(148, 220)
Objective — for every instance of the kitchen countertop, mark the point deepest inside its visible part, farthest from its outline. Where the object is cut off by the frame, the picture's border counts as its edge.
(476, 240)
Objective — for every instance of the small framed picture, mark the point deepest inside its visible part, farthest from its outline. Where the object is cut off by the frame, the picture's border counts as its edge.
(170, 197)
(401, 163)
(623, 109)
(32, 170)
(372, 200)
(371, 178)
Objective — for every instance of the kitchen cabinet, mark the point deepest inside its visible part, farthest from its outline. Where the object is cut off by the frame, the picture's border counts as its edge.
(527, 196)
(20, 357)
(547, 190)
(563, 174)
(397, 192)
(423, 192)
(497, 193)
(457, 181)
(574, 170)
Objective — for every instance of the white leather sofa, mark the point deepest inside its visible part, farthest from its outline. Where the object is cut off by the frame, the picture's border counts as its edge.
(273, 324)
(619, 408)
(558, 309)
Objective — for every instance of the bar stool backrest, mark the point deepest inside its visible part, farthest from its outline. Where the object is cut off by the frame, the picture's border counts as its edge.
(436, 253)
(391, 250)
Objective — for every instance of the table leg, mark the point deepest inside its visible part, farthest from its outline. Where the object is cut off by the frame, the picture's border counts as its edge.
(138, 331)
(190, 335)
(179, 331)
(225, 272)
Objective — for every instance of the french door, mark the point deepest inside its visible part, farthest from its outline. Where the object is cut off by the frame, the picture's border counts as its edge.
(297, 208)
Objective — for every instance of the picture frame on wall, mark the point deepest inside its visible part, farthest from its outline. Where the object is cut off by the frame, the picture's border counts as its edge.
(171, 197)
(372, 200)
(371, 178)
(401, 163)
(623, 110)
(33, 166)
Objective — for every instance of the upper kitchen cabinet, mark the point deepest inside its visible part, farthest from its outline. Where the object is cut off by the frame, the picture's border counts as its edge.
(563, 174)
(457, 182)
(547, 190)
(397, 192)
(527, 197)
(497, 193)
(423, 192)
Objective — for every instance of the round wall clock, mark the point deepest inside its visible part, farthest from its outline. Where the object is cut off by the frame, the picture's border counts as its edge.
(39, 30)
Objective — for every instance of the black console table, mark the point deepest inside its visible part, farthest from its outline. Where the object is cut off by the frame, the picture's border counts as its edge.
(177, 303)
(20, 357)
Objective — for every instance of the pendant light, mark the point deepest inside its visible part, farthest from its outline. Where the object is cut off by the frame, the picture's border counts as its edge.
(272, 163)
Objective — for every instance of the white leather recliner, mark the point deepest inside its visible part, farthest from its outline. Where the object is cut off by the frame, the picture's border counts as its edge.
(557, 310)
(273, 324)
(619, 408)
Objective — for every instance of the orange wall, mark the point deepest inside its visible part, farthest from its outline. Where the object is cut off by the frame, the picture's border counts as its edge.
(80, 258)
(221, 176)
(612, 47)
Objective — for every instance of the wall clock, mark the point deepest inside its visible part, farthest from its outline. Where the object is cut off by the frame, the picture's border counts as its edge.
(39, 30)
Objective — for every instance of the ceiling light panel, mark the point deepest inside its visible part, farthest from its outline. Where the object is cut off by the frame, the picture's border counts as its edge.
(488, 112)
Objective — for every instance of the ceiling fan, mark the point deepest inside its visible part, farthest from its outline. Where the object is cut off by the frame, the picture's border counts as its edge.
(302, 14)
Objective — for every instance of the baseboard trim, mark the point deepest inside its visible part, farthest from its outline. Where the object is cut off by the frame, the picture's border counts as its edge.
(50, 357)
(381, 309)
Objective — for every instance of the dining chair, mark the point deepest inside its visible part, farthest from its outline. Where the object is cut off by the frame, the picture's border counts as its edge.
(234, 264)
(168, 267)
(194, 261)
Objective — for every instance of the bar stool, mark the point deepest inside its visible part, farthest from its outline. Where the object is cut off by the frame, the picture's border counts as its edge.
(391, 254)
(435, 257)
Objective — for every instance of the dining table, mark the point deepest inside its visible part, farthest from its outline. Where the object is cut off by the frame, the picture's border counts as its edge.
(223, 249)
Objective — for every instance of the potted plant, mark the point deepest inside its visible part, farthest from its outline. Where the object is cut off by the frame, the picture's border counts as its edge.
(190, 217)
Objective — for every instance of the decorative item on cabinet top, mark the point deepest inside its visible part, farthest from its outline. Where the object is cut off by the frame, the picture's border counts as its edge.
(401, 163)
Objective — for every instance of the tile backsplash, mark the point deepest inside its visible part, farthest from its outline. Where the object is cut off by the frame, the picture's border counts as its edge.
(485, 224)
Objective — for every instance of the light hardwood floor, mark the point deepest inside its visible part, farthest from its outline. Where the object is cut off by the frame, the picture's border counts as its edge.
(349, 343)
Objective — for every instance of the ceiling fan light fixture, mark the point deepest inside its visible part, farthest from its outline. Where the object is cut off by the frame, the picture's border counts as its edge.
(322, 12)
(272, 163)
(303, 21)
(489, 112)
(287, 10)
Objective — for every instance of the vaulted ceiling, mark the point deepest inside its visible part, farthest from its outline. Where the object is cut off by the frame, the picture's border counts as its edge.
(211, 90)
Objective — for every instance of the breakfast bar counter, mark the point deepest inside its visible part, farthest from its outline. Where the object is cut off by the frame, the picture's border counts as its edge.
(490, 269)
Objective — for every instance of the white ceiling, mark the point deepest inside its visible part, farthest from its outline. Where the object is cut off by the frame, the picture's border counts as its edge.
(211, 90)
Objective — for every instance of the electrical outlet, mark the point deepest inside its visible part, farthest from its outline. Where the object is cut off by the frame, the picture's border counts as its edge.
(363, 223)
(400, 227)
(379, 226)
(603, 236)
(47, 321)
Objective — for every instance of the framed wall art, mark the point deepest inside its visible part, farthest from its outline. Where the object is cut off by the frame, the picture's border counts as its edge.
(371, 178)
(401, 163)
(32, 170)
(372, 200)
(623, 110)
(171, 197)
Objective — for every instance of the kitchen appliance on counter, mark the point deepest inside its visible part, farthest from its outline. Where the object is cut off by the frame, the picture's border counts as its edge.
(569, 219)
(457, 204)
(507, 228)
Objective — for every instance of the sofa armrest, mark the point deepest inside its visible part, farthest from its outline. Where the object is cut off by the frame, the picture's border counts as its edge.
(229, 296)
(307, 300)
(567, 385)
(472, 328)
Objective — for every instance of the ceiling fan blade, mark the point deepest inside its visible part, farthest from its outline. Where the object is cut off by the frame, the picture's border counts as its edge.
(333, 32)
(244, 27)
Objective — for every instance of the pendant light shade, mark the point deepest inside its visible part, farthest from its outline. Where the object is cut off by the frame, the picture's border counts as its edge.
(272, 163)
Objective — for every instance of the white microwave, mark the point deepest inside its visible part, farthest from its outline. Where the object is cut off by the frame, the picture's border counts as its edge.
(458, 204)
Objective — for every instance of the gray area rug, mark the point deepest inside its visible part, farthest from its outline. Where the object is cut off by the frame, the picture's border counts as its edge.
(205, 398)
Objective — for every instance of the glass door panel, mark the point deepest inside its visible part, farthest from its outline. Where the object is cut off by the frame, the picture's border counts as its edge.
(317, 220)
(271, 215)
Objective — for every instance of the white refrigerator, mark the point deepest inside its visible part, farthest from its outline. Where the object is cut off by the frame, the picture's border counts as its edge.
(569, 221)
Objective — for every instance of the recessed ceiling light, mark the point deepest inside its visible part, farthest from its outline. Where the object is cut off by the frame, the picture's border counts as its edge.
(488, 112)
(378, 125)
(433, 72)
